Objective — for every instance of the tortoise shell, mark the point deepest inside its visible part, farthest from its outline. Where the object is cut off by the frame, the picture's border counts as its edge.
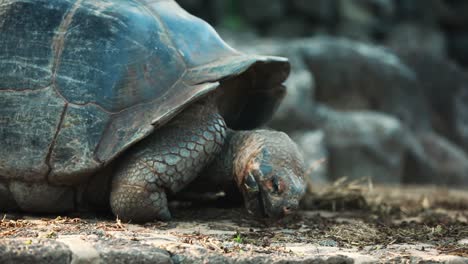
(83, 80)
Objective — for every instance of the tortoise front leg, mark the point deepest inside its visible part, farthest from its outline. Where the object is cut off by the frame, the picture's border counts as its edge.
(166, 161)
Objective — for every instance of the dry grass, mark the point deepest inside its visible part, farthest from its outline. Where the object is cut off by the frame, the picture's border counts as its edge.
(383, 215)
(116, 226)
(339, 196)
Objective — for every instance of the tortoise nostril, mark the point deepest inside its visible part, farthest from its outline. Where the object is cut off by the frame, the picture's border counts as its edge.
(287, 210)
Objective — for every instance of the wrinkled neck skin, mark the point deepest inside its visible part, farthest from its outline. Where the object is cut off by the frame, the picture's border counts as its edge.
(229, 169)
(220, 174)
(244, 149)
(239, 151)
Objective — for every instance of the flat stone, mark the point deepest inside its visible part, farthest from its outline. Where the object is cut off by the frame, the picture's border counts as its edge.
(33, 251)
(82, 252)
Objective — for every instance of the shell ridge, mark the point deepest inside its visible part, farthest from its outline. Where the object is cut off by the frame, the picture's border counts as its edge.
(54, 140)
(58, 45)
(98, 106)
(58, 42)
(24, 90)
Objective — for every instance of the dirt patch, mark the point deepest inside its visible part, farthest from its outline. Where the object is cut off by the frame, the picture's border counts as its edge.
(371, 221)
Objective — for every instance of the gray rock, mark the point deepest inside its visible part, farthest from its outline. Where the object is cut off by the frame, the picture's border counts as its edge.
(350, 75)
(451, 13)
(445, 87)
(422, 38)
(424, 11)
(82, 251)
(290, 27)
(461, 116)
(321, 10)
(213, 11)
(37, 251)
(250, 44)
(363, 144)
(457, 45)
(363, 19)
(132, 252)
(295, 110)
(441, 162)
(189, 255)
(262, 11)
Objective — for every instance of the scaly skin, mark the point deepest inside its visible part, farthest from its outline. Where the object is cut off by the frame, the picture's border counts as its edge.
(166, 161)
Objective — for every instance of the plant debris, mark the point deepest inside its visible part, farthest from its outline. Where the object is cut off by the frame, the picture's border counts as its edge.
(346, 215)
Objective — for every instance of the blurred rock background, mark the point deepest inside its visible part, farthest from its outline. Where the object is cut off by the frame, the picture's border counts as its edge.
(378, 88)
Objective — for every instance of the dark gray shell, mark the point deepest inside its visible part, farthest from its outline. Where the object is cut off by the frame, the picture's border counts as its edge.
(82, 80)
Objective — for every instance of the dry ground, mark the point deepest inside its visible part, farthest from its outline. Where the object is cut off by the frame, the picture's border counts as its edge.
(344, 223)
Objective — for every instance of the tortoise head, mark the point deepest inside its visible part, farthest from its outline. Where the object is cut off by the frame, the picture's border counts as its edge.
(272, 182)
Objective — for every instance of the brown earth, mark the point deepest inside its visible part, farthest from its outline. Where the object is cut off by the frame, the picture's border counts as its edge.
(344, 223)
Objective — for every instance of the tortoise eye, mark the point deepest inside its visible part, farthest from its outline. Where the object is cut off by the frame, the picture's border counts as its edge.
(276, 185)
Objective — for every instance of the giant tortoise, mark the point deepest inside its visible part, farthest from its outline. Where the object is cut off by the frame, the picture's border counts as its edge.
(144, 92)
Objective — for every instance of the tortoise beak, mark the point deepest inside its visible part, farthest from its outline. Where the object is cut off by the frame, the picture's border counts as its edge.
(252, 196)
(255, 206)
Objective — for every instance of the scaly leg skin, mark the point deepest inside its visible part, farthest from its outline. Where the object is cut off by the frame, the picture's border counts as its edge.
(264, 165)
(166, 161)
